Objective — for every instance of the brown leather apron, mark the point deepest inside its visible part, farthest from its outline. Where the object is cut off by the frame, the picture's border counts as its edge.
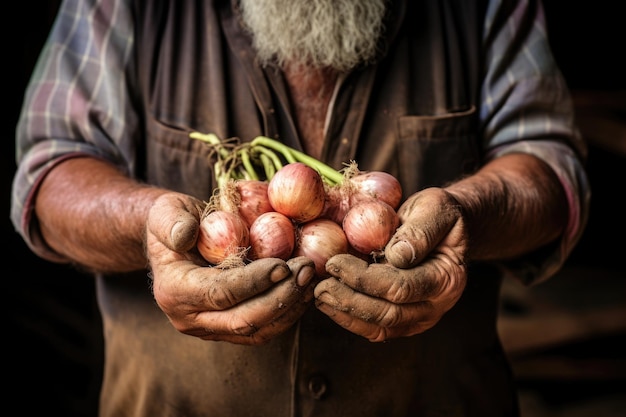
(412, 115)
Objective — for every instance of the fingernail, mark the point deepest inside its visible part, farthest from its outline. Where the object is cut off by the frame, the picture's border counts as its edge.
(328, 301)
(279, 273)
(404, 250)
(304, 276)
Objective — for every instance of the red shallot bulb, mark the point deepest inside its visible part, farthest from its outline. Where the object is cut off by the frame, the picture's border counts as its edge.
(297, 191)
(379, 185)
(253, 199)
(319, 240)
(272, 235)
(369, 225)
(223, 235)
(336, 204)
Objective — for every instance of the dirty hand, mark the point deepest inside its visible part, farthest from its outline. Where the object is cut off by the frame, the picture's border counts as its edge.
(422, 277)
(246, 305)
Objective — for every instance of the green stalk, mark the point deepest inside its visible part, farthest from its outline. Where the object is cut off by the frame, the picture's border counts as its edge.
(330, 174)
(266, 148)
(283, 149)
(268, 153)
(212, 139)
(220, 176)
(245, 160)
(268, 166)
(241, 174)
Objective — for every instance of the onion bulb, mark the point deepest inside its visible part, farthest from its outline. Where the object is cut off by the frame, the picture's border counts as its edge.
(272, 235)
(369, 225)
(297, 191)
(253, 199)
(319, 240)
(223, 236)
(358, 187)
(379, 185)
(336, 204)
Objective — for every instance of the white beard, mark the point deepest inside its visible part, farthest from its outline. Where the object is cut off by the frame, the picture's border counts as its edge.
(337, 34)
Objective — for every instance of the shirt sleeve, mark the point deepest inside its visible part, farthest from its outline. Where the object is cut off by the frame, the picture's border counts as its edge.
(526, 107)
(78, 102)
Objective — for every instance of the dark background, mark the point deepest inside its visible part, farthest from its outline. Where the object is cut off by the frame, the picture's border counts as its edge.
(54, 335)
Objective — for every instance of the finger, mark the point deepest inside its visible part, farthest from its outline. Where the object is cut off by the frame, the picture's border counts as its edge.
(439, 280)
(201, 291)
(232, 286)
(427, 217)
(182, 288)
(302, 268)
(247, 317)
(385, 281)
(263, 335)
(373, 331)
(261, 317)
(373, 318)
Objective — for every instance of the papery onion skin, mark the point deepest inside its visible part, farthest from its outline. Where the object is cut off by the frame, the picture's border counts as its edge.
(272, 235)
(379, 185)
(297, 191)
(369, 226)
(336, 204)
(222, 235)
(319, 240)
(254, 200)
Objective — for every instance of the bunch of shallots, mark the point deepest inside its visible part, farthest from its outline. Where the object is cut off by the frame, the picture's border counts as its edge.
(301, 207)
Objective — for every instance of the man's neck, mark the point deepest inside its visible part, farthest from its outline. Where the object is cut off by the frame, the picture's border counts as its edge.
(311, 91)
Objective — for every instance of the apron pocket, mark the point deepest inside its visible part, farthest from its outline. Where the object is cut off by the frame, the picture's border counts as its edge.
(435, 150)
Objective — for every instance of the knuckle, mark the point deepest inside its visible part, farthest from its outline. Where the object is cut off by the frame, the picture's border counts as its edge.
(400, 291)
(380, 335)
(390, 317)
(220, 298)
(242, 327)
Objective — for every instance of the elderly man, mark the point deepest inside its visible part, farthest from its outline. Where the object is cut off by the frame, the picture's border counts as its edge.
(460, 100)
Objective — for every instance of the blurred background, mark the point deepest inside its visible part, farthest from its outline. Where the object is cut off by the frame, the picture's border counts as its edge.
(566, 338)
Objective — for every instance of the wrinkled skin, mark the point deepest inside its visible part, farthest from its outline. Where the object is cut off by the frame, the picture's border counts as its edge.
(423, 275)
(246, 305)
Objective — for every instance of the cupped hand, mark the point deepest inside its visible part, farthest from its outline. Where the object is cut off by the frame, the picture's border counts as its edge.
(249, 304)
(421, 278)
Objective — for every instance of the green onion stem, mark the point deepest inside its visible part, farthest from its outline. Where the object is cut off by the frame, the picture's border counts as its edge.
(266, 148)
(220, 177)
(241, 174)
(292, 155)
(263, 151)
(283, 149)
(268, 166)
(211, 138)
(245, 160)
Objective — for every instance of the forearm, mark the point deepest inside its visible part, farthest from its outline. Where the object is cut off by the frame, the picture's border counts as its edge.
(94, 215)
(513, 205)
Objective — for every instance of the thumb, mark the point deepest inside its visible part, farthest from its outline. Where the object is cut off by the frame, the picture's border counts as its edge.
(427, 217)
(175, 220)
(406, 249)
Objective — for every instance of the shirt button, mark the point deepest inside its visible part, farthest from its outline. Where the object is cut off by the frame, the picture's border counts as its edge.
(317, 386)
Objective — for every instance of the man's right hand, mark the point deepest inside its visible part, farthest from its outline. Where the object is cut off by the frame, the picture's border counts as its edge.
(248, 305)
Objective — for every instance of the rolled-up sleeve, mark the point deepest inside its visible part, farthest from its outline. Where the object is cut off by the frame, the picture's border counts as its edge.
(526, 107)
(77, 103)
